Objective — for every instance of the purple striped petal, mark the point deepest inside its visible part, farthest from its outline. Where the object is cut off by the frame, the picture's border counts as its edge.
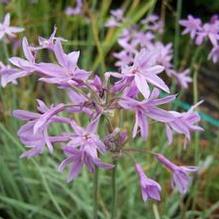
(142, 85)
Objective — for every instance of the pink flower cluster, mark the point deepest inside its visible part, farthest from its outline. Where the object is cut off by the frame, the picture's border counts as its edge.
(200, 32)
(136, 88)
(140, 40)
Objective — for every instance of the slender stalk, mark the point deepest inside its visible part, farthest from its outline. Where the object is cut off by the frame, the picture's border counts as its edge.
(6, 51)
(196, 140)
(176, 40)
(195, 100)
(114, 195)
(95, 210)
(156, 212)
(177, 33)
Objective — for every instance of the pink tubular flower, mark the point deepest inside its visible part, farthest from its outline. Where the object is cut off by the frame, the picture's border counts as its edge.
(127, 45)
(115, 19)
(192, 26)
(214, 19)
(24, 67)
(77, 158)
(79, 103)
(214, 54)
(150, 189)
(143, 39)
(66, 72)
(180, 174)
(153, 23)
(209, 30)
(183, 123)
(70, 11)
(164, 53)
(97, 85)
(182, 78)
(147, 108)
(5, 72)
(144, 70)
(5, 28)
(86, 138)
(124, 58)
(34, 133)
(50, 42)
(83, 148)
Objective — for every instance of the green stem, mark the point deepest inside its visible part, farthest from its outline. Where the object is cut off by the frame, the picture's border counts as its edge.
(6, 53)
(114, 196)
(177, 33)
(195, 100)
(156, 212)
(176, 40)
(196, 140)
(95, 212)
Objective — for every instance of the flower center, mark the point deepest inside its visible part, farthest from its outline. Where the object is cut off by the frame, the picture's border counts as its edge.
(135, 71)
(86, 136)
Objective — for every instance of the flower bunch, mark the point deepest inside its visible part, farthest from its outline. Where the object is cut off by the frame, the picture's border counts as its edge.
(143, 37)
(135, 87)
(200, 32)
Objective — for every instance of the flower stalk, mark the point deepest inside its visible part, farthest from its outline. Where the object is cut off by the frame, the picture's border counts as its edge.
(95, 186)
(114, 190)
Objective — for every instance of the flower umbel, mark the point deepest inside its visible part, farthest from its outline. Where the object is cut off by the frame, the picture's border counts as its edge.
(92, 121)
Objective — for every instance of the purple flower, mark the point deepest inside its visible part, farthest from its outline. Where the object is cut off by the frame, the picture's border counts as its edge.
(35, 132)
(214, 54)
(183, 123)
(77, 158)
(164, 53)
(182, 78)
(180, 174)
(86, 138)
(115, 19)
(5, 72)
(214, 19)
(209, 30)
(127, 45)
(124, 58)
(150, 19)
(76, 10)
(153, 23)
(192, 26)
(150, 189)
(97, 86)
(79, 103)
(24, 67)
(143, 39)
(144, 70)
(50, 42)
(6, 29)
(66, 72)
(147, 108)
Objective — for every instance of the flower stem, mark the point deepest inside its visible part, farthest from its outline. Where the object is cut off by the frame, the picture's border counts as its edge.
(177, 33)
(114, 195)
(5, 51)
(95, 210)
(156, 212)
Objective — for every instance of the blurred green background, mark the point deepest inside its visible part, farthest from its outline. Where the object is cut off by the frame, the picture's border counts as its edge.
(34, 189)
